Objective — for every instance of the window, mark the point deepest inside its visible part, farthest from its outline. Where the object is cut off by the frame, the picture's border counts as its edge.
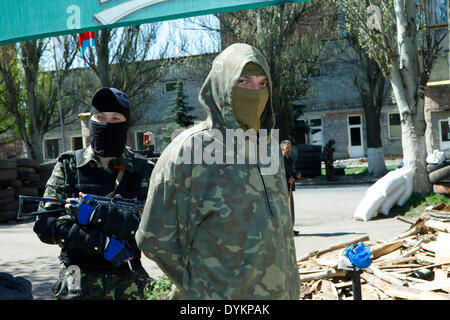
(77, 143)
(51, 148)
(170, 86)
(444, 134)
(395, 129)
(354, 120)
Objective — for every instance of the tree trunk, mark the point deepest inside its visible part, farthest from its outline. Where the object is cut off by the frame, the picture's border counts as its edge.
(102, 49)
(409, 94)
(375, 152)
(31, 53)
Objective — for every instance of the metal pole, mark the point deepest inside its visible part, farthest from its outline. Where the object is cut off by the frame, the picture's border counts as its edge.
(61, 120)
(356, 284)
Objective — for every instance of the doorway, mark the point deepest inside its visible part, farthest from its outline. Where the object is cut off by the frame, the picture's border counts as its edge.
(355, 137)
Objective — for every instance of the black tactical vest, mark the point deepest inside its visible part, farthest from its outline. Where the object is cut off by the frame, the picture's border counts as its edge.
(96, 181)
(92, 180)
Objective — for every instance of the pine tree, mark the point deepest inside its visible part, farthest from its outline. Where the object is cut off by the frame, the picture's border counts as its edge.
(179, 117)
(180, 109)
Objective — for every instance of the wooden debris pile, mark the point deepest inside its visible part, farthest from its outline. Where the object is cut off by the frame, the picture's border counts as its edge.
(414, 265)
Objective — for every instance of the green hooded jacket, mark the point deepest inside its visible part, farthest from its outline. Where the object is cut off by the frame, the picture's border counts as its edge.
(221, 230)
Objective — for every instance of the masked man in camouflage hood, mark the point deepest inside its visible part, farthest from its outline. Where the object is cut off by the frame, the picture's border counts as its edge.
(222, 230)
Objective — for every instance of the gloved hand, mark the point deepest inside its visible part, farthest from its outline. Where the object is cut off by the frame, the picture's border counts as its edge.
(83, 209)
(116, 252)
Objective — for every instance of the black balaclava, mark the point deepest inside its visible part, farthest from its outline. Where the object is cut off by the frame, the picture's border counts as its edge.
(109, 139)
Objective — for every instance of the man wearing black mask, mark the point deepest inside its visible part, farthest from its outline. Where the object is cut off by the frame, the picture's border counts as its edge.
(99, 256)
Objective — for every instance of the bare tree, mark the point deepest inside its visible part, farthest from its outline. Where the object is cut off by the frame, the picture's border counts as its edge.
(396, 36)
(31, 95)
(291, 37)
(123, 60)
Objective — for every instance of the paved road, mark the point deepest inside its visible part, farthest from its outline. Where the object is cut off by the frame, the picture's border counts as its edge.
(324, 215)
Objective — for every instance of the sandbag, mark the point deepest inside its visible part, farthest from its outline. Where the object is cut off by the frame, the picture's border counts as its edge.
(436, 157)
(388, 183)
(439, 174)
(8, 174)
(408, 174)
(368, 206)
(7, 164)
(392, 199)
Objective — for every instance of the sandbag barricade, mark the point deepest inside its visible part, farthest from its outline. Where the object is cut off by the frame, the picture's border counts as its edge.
(395, 188)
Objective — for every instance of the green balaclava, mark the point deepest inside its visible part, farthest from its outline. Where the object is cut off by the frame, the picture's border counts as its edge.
(249, 104)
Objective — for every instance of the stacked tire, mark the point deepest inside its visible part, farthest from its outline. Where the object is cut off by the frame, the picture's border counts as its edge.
(309, 160)
(439, 175)
(22, 176)
(8, 178)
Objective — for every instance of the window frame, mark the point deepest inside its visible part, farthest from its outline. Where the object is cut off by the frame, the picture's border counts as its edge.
(389, 126)
(44, 148)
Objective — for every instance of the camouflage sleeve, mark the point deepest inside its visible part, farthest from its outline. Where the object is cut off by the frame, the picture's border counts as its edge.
(158, 234)
(56, 186)
(145, 180)
(46, 226)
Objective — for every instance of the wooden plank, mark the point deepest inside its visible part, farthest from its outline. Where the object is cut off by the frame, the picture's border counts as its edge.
(438, 225)
(323, 275)
(408, 233)
(432, 285)
(393, 261)
(333, 247)
(443, 247)
(384, 276)
(425, 258)
(385, 248)
(401, 292)
(430, 246)
(327, 288)
(414, 294)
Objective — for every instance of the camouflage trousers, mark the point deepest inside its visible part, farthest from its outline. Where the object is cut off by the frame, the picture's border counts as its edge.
(74, 284)
(329, 170)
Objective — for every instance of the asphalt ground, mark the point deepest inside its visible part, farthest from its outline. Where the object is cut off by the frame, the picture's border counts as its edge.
(324, 216)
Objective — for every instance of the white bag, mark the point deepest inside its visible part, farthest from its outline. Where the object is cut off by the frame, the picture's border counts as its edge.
(388, 183)
(368, 206)
(436, 157)
(392, 199)
(408, 174)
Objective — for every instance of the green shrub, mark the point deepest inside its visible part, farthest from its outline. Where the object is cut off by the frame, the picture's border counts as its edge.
(158, 289)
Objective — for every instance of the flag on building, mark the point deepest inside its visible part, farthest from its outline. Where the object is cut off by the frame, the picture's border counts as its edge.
(87, 39)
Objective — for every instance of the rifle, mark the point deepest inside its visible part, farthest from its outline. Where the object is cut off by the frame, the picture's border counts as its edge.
(132, 205)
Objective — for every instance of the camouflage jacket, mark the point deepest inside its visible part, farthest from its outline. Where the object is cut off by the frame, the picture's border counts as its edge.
(221, 231)
(327, 153)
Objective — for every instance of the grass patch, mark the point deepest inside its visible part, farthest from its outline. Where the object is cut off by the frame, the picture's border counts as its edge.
(158, 289)
(417, 203)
